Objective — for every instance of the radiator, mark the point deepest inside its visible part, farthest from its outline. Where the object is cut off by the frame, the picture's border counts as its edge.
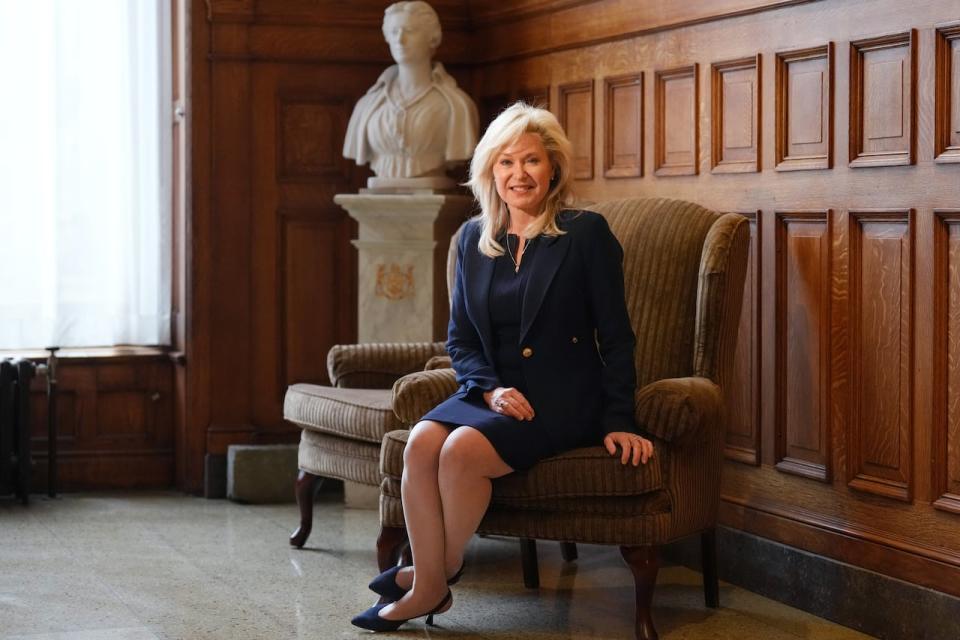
(16, 464)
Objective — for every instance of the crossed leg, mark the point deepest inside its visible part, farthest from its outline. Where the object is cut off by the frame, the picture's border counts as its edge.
(445, 487)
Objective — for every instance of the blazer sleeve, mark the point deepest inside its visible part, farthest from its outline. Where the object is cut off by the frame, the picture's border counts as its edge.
(474, 372)
(615, 337)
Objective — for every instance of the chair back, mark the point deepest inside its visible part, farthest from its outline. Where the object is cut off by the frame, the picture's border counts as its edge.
(668, 282)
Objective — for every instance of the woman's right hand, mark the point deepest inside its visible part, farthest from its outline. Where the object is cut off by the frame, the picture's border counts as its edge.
(509, 402)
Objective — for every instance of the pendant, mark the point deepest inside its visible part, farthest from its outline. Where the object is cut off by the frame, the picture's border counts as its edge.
(517, 269)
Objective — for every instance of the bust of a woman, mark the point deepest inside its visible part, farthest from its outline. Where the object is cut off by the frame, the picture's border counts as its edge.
(414, 122)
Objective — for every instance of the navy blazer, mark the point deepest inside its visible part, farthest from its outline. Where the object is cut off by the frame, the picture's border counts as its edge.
(576, 340)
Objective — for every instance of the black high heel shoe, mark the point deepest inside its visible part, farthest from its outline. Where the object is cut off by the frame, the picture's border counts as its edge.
(386, 585)
(371, 620)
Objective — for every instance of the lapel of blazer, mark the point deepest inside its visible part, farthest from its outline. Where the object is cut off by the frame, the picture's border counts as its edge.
(549, 256)
(477, 294)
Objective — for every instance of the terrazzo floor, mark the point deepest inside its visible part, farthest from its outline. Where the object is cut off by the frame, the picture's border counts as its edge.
(162, 565)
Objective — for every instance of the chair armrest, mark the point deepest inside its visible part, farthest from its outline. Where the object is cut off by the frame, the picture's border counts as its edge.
(417, 393)
(378, 365)
(439, 362)
(679, 410)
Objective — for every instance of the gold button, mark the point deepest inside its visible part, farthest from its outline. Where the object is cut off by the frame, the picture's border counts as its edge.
(574, 340)
(527, 352)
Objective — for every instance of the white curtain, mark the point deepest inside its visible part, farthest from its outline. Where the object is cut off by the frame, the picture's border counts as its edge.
(85, 123)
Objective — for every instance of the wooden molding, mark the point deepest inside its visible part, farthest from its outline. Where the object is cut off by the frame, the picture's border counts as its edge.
(741, 154)
(895, 139)
(743, 394)
(946, 348)
(623, 165)
(879, 445)
(947, 119)
(815, 150)
(537, 28)
(580, 130)
(847, 541)
(795, 418)
(683, 161)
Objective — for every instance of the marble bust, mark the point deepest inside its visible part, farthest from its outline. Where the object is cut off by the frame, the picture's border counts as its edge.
(414, 122)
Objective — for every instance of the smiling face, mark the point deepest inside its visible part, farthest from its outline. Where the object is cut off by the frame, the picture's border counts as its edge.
(411, 39)
(522, 173)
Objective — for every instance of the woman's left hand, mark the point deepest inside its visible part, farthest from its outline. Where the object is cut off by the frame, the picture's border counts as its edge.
(633, 447)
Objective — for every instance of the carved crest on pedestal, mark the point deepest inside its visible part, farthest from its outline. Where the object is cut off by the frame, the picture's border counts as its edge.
(394, 282)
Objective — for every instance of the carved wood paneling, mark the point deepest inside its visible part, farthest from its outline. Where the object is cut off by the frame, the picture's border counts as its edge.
(804, 109)
(576, 117)
(676, 122)
(310, 132)
(946, 414)
(947, 121)
(114, 424)
(735, 115)
(743, 393)
(883, 78)
(623, 126)
(880, 432)
(311, 261)
(802, 276)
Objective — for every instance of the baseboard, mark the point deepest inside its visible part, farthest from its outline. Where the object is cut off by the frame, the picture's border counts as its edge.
(864, 600)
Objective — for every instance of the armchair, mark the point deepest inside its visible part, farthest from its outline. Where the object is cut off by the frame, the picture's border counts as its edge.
(344, 424)
(684, 270)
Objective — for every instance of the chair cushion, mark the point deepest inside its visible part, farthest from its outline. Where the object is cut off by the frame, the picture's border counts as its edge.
(647, 504)
(359, 414)
(335, 457)
(585, 472)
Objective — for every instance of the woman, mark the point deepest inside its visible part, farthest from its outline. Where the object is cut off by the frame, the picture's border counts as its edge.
(542, 347)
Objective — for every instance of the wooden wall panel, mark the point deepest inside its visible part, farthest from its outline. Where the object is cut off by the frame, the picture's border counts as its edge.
(947, 125)
(114, 423)
(623, 126)
(883, 75)
(490, 107)
(576, 117)
(735, 114)
(946, 434)
(677, 124)
(309, 259)
(880, 435)
(803, 246)
(743, 393)
(804, 108)
(310, 130)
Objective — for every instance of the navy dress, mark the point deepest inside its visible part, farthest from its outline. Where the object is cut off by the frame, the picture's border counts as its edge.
(520, 443)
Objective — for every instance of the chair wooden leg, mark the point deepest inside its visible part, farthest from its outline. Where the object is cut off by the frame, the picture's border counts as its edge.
(306, 489)
(643, 563)
(568, 550)
(528, 556)
(708, 558)
(390, 545)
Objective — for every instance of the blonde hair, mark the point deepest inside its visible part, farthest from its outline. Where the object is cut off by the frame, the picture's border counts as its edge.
(415, 10)
(516, 120)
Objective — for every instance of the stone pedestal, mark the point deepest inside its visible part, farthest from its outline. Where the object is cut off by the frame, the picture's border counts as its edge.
(402, 243)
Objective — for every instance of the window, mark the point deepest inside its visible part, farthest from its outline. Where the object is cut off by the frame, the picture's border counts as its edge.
(85, 173)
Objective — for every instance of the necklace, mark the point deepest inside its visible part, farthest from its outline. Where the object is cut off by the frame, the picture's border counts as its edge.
(516, 264)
